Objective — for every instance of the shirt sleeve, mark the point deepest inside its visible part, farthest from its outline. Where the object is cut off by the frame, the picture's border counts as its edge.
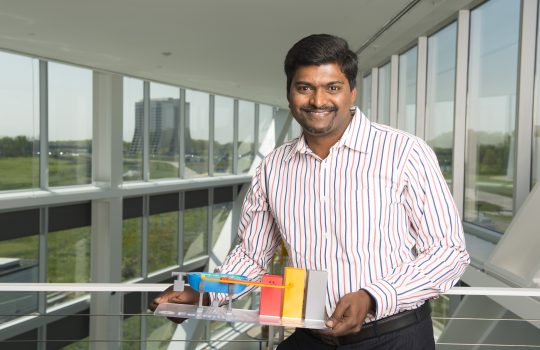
(258, 237)
(441, 257)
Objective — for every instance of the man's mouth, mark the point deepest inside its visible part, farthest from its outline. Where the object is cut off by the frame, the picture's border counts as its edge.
(318, 112)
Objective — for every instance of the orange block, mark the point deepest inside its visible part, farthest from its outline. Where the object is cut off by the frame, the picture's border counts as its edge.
(271, 298)
(293, 299)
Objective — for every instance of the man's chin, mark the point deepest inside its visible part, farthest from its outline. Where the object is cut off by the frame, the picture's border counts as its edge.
(316, 131)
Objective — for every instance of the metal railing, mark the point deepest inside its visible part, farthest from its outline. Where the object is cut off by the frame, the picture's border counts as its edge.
(509, 309)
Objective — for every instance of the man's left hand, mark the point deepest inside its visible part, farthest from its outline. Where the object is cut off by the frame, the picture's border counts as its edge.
(350, 313)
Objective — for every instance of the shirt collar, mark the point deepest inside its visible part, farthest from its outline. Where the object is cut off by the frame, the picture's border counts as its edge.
(355, 137)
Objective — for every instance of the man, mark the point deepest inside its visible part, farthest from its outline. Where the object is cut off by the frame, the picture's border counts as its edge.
(362, 201)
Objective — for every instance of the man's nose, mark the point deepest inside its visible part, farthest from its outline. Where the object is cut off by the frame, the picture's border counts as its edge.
(318, 98)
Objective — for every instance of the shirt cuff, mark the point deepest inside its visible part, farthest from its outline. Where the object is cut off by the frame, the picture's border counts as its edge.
(385, 297)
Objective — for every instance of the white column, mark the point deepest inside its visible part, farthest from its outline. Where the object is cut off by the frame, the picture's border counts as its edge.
(460, 110)
(106, 250)
(525, 103)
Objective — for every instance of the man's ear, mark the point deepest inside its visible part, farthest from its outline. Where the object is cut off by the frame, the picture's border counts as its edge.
(353, 97)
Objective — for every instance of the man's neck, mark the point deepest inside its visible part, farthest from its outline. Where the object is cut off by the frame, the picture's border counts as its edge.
(321, 146)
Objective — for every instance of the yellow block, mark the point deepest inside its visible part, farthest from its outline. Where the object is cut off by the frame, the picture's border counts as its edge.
(293, 299)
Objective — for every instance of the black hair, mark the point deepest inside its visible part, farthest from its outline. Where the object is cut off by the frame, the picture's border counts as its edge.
(318, 49)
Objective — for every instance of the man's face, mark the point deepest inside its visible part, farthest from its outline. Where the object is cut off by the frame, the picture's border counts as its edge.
(320, 100)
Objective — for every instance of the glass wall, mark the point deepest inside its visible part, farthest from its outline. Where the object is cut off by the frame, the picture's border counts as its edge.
(366, 95)
(407, 91)
(441, 73)
(493, 62)
(223, 135)
(68, 261)
(535, 178)
(266, 126)
(246, 132)
(164, 122)
(19, 122)
(70, 125)
(18, 263)
(133, 129)
(195, 232)
(163, 231)
(197, 132)
(383, 95)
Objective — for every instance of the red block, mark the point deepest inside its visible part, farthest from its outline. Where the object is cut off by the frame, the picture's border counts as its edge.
(271, 298)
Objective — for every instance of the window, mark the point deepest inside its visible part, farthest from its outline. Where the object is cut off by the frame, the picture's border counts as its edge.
(164, 122)
(493, 62)
(68, 249)
(407, 91)
(366, 95)
(132, 238)
(246, 132)
(383, 95)
(536, 127)
(70, 125)
(197, 132)
(163, 231)
(266, 125)
(19, 122)
(19, 253)
(221, 210)
(441, 72)
(195, 233)
(223, 135)
(133, 129)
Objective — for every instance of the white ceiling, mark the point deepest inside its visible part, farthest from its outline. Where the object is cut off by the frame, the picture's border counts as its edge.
(230, 47)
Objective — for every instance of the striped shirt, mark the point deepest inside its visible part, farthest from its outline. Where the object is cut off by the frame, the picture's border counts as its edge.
(376, 214)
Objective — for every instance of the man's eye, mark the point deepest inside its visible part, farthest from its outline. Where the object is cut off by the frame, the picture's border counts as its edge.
(304, 88)
(333, 88)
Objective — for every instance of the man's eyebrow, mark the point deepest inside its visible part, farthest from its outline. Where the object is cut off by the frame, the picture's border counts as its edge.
(335, 82)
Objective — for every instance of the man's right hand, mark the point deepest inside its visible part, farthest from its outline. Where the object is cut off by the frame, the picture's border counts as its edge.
(188, 296)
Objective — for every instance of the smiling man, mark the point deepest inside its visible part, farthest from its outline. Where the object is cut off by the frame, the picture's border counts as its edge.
(362, 201)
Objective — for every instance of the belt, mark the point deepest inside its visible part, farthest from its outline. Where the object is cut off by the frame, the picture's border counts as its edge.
(378, 327)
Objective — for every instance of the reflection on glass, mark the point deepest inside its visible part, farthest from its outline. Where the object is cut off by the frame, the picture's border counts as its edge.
(536, 127)
(19, 122)
(366, 95)
(493, 62)
(83, 344)
(246, 131)
(68, 261)
(197, 121)
(164, 123)
(220, 213)
(441, 71)
(223, 135)
(383, 95)
(266, 125)
(162, 241)
(407, 91)
(131, 248)
(70, 125)
(131, 333)
(133, 129)
(195, 232)
(159, 332)
(18, 263)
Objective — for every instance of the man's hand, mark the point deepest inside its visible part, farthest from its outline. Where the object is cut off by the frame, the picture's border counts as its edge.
(188, 296)
(351, 311)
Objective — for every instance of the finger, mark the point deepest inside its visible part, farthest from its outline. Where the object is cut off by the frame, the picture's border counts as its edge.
(338, 313)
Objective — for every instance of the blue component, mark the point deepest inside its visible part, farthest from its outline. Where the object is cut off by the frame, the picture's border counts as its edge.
(194, 278)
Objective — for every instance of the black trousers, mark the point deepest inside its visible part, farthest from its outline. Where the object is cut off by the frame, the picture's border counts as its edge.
(418, 336)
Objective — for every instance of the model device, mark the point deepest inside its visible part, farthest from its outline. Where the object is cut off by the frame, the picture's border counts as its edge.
(296, 299)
